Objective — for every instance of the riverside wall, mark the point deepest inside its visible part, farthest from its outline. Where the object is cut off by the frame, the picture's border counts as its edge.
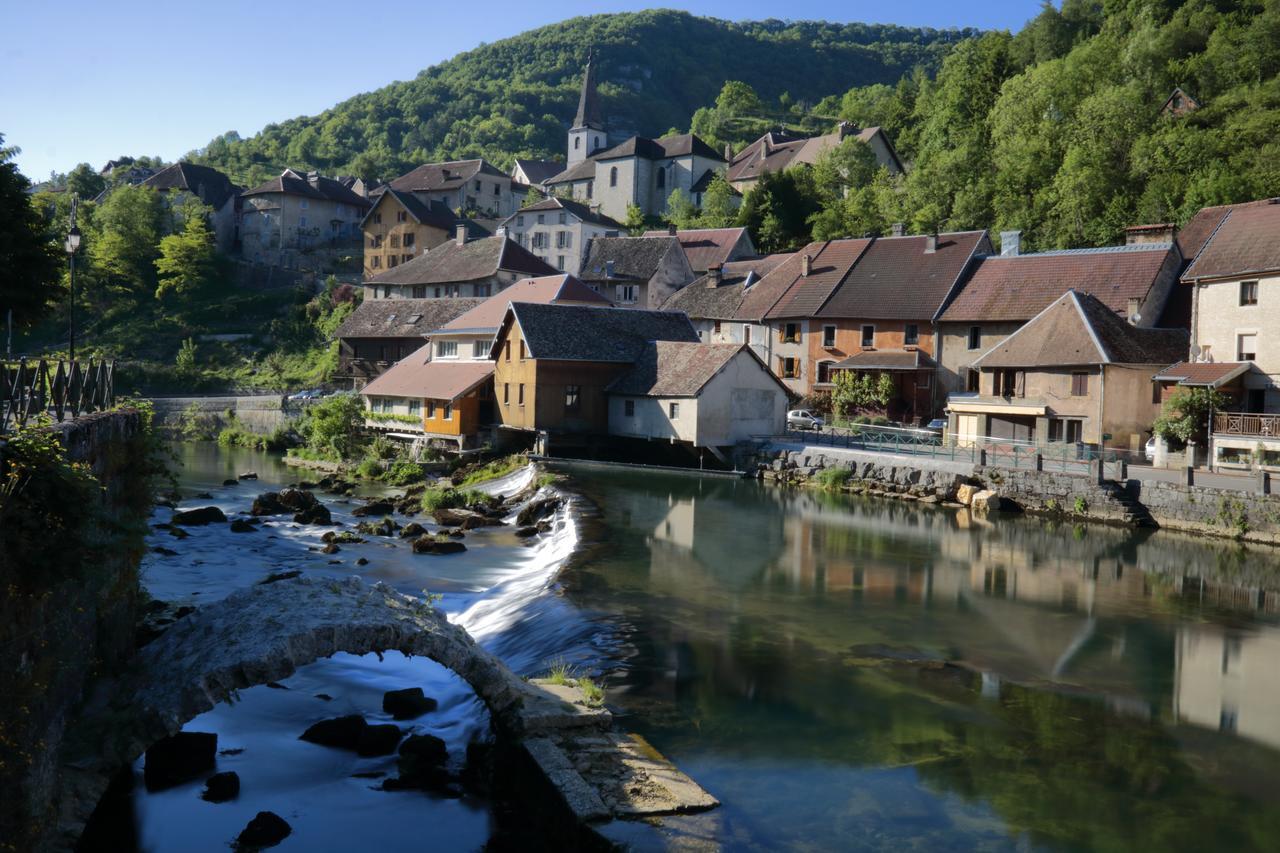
(1230, 513)
(262, 414)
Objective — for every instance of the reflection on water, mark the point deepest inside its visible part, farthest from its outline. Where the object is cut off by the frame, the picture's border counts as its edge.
(1109, 689)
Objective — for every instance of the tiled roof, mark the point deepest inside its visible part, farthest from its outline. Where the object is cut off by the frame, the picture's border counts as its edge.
(705, 247)
(561, 288)
(310, 186)
(402, 318)
(439, 177)
(678, 145)
(830, 264)
(1246, 242)
(634, 258)
(1210, 374)
(897, 279)
(1193, 236)
(702, 302)
(582, 333)
(674, 369)
(538, 171)
(578, 209)
(416, 376)
(437, 214)
(887, 359)
(774, 152)
(1078, 329)
(473, 260)
(1015, 288)
(583, 170)
(208, 183)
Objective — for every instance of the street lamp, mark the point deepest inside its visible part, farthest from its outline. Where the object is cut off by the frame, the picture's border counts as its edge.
(71, 246)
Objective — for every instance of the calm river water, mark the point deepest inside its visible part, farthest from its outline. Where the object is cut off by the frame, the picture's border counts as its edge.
(843, 673)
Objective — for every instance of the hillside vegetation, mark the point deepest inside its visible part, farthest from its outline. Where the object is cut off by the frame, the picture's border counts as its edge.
(516, 97)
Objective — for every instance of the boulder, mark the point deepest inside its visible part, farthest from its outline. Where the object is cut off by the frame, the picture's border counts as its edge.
(249, 475)
(239, 525)
(536, 510)
(202, 515)
(221, 787)
(340, 732)
(407, 704)
(267, 829)
(411, 530)
(378, 507)
(430, 545)
(421, 763)
(378, 740)
(179, 758)
(986, 501)
(475, 519)
(362, 561)
(965, 493)
(526, 532)
(330, 548)
(448, 517)
(318, 514)
(343, 536)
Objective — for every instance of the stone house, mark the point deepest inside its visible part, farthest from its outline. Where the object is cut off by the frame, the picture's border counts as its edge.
(534, 173)
(381, 332)
(1076, 373)
(294, 214)
(1002, 292)
(704, 395)
(709, 247)
(559, 230)
(458, 267)
(711, 302)
(400, 226)
(462, 186)
(636, 272)
(776, 151)
(184, 180)
(554, 362)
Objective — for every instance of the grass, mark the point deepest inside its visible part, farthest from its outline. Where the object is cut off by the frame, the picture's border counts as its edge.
(545, 480)
(495, 469)
(447, 497)
(235, 435)
(833, 479)
(314, 455)
(592, 693)
(560, 673)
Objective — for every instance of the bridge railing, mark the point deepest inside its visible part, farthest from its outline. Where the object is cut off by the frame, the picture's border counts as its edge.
(29, 389)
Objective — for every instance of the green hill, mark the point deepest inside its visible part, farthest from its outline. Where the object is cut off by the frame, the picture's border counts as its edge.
(516, 97)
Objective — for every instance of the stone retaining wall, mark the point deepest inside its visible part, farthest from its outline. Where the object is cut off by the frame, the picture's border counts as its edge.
(261, 414)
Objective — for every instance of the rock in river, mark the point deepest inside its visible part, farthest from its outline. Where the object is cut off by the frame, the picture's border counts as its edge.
(431, 545)
(407, 703)
(267, 829)
(374, 508)
(239, 525)
(379, 740)
(221, 787)
(342, 732)
(179, 758)
(202, 515)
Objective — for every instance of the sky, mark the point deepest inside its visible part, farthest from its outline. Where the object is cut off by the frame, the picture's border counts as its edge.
(86, 80)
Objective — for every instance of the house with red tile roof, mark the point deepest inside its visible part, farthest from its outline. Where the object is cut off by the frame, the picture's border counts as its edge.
(776, 151)
(461, 266)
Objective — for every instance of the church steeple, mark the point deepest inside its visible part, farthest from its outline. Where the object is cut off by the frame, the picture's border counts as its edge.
(586, 135)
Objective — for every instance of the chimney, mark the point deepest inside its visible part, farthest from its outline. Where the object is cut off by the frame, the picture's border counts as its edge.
(930, 244)
(313, 177)
(1135, 306)
(501, 232)
(1011, 243)
(1140, 235)
(728, 152)
(671, 230)
(899, 229)
(715, 275)
(461, 237)
(806, 265)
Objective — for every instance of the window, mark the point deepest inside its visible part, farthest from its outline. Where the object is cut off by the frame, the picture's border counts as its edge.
(922, 379)
(386, 291)
(577, 143)
(448, 411)
(405, 258)
(506, 393)
(975, 337)
(305, 204)
(479, 186)
(497, 189)
(415, 407)
(395, 241)
(431, 410)
(591, 188)
(560, 262)
(828, 336)
(629, 408)
(1247, 347)
(791, 333)
(480, 349)
(506, 350)
(446, 349)
(746, 333)
(419, 291)
(377, 219)
(627, 293)
(542, 219)
(868, 336)
(789, 368)
(481, 290)
(613, 176)
(522, 353)
(519, 221)
(662, 177)
(375, 262)
(673, 410)
(438, 293)
(302, 220)
(911, 336)
(824, 372)
(572, 397)
(564, 218)
(1012, 383)
(409, 239)
(560, 235)
(1079, 384)
(972, 380)
(377, 242)
(520, 394)
(401, 216)
(392, 261)
(1066, 429)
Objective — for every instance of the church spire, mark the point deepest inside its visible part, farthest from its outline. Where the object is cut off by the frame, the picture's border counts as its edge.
(589, 100)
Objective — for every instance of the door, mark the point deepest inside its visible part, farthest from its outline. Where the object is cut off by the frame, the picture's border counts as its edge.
(966, 430)
(1257, 401)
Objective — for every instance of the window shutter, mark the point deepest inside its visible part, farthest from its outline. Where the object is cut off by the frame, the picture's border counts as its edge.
(1020, 383)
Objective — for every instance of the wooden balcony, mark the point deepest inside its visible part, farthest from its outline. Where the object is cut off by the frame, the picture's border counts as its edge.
(360, 368)
(1240, 423)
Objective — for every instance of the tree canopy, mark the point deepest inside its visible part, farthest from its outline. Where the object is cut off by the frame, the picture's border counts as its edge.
(30, 259)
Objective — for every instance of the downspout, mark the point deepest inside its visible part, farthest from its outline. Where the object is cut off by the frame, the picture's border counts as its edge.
(1102, 399)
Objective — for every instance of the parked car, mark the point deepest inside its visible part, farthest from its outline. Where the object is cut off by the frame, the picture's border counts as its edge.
(1150, 450)
(311, 394)
(803, 419)
(938, 425)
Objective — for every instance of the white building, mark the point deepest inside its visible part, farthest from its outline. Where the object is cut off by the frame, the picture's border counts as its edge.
(559, 231)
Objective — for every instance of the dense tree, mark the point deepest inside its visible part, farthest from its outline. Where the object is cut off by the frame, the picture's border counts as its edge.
(29, 258)
(778, 208)
(681, 211)
(124, 241)
(719, 207)
(85, 181)
(188, 260)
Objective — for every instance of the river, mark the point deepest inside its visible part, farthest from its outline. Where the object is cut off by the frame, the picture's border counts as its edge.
(843, 673)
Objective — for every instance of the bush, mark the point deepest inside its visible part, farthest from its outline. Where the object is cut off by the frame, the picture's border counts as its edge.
(404, 473)
(333, 427)
(833, 479)
(235, 434)
(447, 497)
(370, 468)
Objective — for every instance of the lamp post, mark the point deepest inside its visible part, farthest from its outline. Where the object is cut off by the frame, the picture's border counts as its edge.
(72, 244)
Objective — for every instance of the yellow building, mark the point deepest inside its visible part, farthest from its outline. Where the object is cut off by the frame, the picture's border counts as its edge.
(400, 227)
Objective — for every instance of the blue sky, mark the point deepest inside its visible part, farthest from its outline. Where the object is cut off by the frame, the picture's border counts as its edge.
(85, 80)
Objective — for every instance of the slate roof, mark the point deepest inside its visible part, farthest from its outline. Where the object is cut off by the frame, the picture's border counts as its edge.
(634, 258)
(775, 152)
(678, 145)
(675, 369)
(403, 318)
(473, 260)
(897, 279)
(705, 247)
(441, 177)
(436, 214)
(212, 186)
(1079, 329)
(583, 170)
(538, 171)
(310, 186)
(561, 288)
(416, 375)
(588, 114)
(886, 359)
(1016, 288)
(578, 209)
(1205, 373)
(1200, 227)
(702, 302)
(1245, 242)
(582, 333)
(831, 263)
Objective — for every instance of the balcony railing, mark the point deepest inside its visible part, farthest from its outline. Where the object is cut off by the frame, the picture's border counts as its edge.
(1239, 423)
(361, 368)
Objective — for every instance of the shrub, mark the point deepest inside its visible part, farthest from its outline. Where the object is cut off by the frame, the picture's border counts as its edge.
(447, 497)
(404, 473)
(369, 468)
(833, 479)
(334, 426)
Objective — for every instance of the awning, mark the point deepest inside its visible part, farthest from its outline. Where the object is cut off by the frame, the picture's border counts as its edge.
(887, 360)
(1203, 374)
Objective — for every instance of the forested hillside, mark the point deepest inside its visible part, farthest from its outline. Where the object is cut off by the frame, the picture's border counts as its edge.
(516, 97)
(1059, 130)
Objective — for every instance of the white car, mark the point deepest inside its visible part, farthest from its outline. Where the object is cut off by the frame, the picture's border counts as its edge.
(1150, 450)
(803, 419)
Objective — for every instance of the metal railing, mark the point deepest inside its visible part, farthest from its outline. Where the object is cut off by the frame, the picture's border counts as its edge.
(31, 389)
(1240, 423)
